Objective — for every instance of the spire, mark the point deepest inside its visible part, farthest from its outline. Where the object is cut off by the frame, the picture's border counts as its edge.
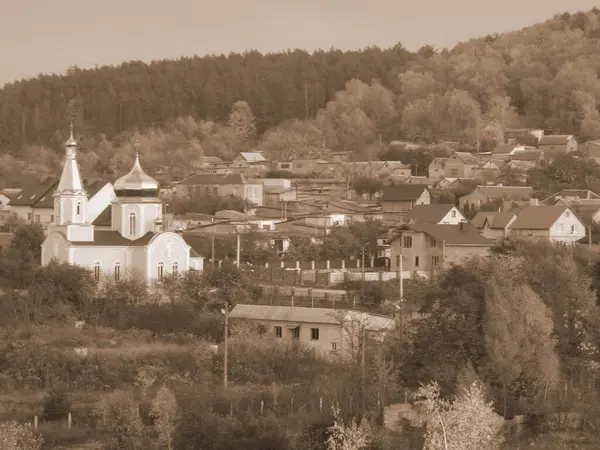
(70, 180)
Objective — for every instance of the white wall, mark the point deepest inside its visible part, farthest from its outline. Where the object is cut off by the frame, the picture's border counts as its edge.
(145, 213)
(277, 182)
(167, 248)
(454, 217)
(568, 228)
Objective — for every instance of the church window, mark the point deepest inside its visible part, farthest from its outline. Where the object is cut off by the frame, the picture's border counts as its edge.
(97, 271)
(78, 209)
(160, 272)
(132, 223)
(117, 271)
(175, 268)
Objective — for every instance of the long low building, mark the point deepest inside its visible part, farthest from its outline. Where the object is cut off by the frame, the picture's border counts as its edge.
(332, 333)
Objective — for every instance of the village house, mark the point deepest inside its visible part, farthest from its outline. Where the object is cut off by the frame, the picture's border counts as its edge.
(401, 198)
(529, 158)
(583, 202)
(522, 135)
(591, 149)
(556, 223)
(246, 158)
(482, 195)
(437, 168)
(301, 166)
(427, 247)
(558, 143)
(460, 165)
(330, 333)
(436, 213)
(495, 224)
(445, 183)
(198, 185)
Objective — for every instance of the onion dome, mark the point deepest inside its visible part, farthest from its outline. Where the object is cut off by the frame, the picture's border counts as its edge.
(136, 183)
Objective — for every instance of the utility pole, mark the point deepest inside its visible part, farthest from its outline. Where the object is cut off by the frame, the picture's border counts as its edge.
(400, 278)
(225, 352)
(237, 258)
(362, 268)
(362, 363)
(590, 236)
(212, 253)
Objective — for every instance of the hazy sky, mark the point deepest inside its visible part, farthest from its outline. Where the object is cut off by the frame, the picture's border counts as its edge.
(49, 36)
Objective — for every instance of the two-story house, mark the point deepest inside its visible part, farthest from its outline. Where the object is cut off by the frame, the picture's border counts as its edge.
(198, 185)
(556, 223)
(330, 333)
(426, 247)
(494, 225)
(435, 213)
(461, 165)
(558, 143)
(400, 198)
(482, 195)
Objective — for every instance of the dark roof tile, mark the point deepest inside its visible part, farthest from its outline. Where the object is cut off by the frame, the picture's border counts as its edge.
(110, 238)
(403, 192)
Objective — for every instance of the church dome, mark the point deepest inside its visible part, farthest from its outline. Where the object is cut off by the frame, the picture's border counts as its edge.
(136, 183)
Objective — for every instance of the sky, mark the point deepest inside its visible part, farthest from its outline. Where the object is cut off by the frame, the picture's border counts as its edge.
(40, 36)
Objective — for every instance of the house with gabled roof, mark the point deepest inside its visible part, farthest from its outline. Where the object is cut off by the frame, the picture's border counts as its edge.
(249, 158)
(558, 143)
(219, 185)
(400, 198)
(460, 165)
(557, 223)
(444, 214)
(494, 224)
(482, 195)
(572, 195)
(583, 202)
(426, 247)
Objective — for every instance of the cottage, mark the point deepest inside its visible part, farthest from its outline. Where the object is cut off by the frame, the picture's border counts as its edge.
(558, 143)
(556, 223)
(435, 213)
(427, 247)
(403, 197)
(331, 333)
(482, 195)
(494, 225)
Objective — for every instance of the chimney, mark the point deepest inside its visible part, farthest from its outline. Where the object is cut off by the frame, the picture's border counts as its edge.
(534, 202)
(462, 226)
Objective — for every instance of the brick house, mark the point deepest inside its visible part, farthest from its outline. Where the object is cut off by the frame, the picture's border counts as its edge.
(220, 186)
(428, 247)
(461, 165)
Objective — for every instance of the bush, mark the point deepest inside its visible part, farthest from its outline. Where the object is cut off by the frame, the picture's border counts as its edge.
(56, 404)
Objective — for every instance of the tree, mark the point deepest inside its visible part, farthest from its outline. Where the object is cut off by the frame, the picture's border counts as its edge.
(165, 413)
(468, 423)
(120, 416)
(366, 185)
(350, 436)
(27, 243)
(241, 121)
(14, 436)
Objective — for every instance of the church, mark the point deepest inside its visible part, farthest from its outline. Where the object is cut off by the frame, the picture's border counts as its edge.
(135, 243)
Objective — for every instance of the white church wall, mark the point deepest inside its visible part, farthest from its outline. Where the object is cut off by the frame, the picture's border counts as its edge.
(99, 202)
(55, 247)
(87, 255)
(81, 233)
(168, 248)
(145, 215)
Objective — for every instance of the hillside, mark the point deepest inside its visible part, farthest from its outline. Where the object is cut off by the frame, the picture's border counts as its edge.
(545, 75)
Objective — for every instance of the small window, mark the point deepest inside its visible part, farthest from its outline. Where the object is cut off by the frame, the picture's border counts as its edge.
(568, 214)
(398, 260)
(160, 271)
(38, 219)
(175, 268)
(278, 332)
(432, 242)
(51, 217)
(333, 346)
(78, 209)
(407, 242)
(435, 261)
(416, 261)
(117, 271)
(314, 334)
(97, 271)
(572, 229)
(453, 213)
(132, 220)
(29, 216)
(262, 329)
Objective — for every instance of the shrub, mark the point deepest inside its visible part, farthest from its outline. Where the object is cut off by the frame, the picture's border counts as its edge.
(56, 404)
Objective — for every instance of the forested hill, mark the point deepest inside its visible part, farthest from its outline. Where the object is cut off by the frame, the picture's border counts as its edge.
(545, 75)
(110, 100)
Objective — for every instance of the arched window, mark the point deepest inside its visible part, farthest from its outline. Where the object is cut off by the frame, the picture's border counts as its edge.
(175, 267)
(160, 272)
(78, 209)
(117, 271)
(97, 271)
(132, 223)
